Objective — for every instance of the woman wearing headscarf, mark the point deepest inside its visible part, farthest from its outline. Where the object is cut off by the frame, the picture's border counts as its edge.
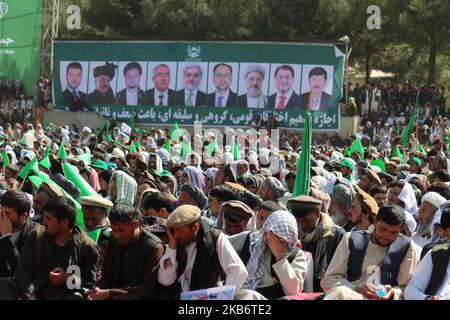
(193, 175)
(122, 188)
(210, 179)
(276, 266)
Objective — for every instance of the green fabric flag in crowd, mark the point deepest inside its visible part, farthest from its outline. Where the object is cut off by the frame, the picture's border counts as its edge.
(5, 159)
(86, 157)
(357, 147)
(421, 149)
(235, 148)
(78, 180)
(94, 234)
(45, 162)
(29, 168)
(62, 154)
(407, 132)
(133, 120)
(175, 133)
(137, 143)
(398, 153)
(185, 149)
(302, 183)
(108, 134)
(211, 148)
(133, 148)
(47, 151)
(167, 146)
(380, 164)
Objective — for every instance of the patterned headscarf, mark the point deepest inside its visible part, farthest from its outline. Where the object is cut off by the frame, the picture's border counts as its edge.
(281, 223)
(211, 173)
(126, 188)
(195, 176)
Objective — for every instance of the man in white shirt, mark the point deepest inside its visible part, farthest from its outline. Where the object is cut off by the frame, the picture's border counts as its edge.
(198, 257)
(286, 97)
(254, 78)
(132, 95)
(191, 96)
(431, 281)
(161, 95)
(222, 96)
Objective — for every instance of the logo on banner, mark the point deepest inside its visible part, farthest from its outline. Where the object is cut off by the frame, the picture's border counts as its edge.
(194, 51)
(3, 9)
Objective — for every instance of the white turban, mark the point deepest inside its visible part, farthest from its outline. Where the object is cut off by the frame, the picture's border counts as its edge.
(434, 198)
(410, 222)
(408, 196)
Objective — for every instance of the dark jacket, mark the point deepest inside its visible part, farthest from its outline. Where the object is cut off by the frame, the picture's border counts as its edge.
(231, 102)
(40, 256)
(96, 98)
(150, 97)
(136, 277)
(325, 101)
(292, 104)
(200, 99)
(121, 98)
(10, 250)
(73, 102)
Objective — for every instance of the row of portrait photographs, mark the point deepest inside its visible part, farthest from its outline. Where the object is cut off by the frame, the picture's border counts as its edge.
(259, 85)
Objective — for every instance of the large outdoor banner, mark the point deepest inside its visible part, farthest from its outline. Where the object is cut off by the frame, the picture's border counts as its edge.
(219, 83)
(20, 41)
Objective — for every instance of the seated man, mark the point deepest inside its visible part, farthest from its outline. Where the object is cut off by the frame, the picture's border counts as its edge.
(431, 281)
(218, 196)
(264, 211)
(193, 195)
(157, 208)
(197, 257)
(48, 255)
(41, 196)
(15, 227)
(276, 266)
(131, 260)
(317, 232)
(237, 217)
(365, 260)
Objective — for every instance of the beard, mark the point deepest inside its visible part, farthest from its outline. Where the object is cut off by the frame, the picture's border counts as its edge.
(338, 218)
(423, 229)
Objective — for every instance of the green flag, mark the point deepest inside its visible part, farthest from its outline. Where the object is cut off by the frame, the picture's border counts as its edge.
(137, 143)
(133, 148)
(302, 184)
(94, 234)
(62, 154)
(380, 164)
(47, 151)
(167, 146)
(357, 147)
(175, 133)
(45, 162)
(86, 157)
(78, 180)
(185, 149)
(29, 168)
(421, 149)
(235, 148)
(5, 159)
(398, 153)
(211, 148)
(133, 120)
(407, 132)
(108, 134)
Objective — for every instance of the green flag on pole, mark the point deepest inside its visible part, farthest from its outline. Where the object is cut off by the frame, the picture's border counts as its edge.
(108, 134)
(302, 184)
(133, 148)
(235, 149)
(357, 147)
(47, 151)
(78, 180)
(45, 162)
(62, 154)
(29, 168)
(175, 133)
(398, 153)
(86, 157)
(185, 149)
(380, 164)
(211, 148)
(133, 120)
(167, 146)
(5, 159)
(421, 149)
(407, 132)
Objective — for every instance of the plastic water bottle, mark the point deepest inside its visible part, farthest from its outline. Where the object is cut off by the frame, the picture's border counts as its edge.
(381, 291)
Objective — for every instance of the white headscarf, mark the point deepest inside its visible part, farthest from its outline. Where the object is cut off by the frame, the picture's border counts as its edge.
(408, 196)
(434, 198)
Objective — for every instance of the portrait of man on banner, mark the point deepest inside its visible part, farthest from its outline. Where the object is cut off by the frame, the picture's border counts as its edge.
(254, 85)
(191, 78)
(132, 94)
(286, 83)
(160, 94)
(103, 93)
(222, 94)
(74, 98)
(317, 84)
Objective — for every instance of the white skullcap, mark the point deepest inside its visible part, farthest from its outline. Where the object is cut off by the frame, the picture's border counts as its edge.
(434, 198)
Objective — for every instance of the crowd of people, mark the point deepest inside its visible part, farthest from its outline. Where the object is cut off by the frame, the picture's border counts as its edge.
(142, 216)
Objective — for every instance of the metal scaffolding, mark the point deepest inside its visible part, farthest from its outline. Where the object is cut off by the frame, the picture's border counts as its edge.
(49, 33)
